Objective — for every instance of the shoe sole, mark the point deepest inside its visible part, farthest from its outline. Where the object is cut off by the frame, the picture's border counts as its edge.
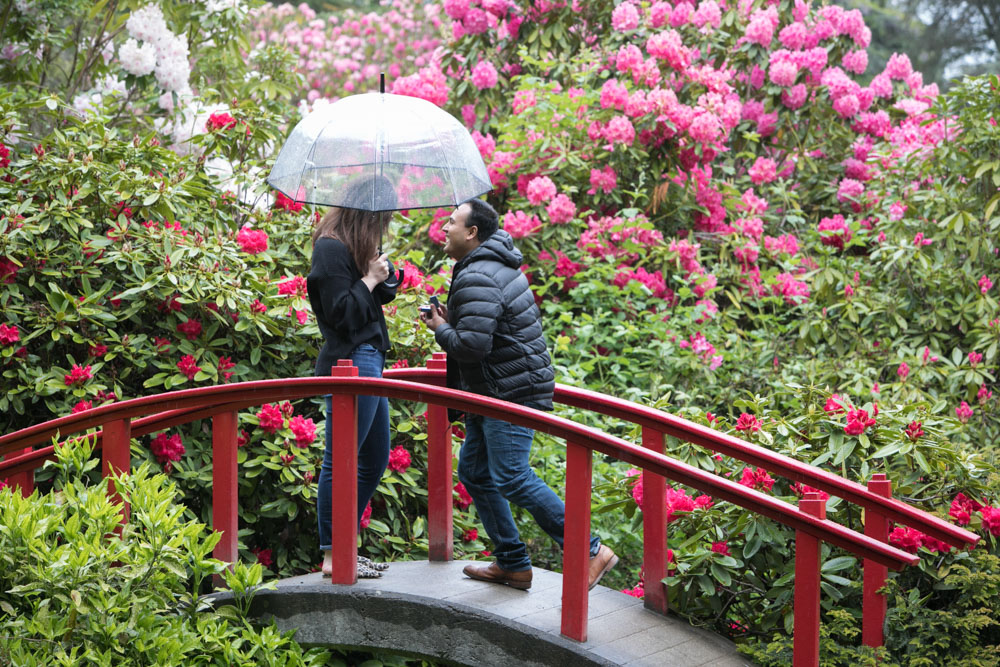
(607, 568)
(519, 585)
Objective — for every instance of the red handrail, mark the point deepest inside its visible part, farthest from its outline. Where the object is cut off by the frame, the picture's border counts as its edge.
(165, 410)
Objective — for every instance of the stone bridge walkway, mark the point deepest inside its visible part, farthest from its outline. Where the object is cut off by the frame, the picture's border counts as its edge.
(431, 610)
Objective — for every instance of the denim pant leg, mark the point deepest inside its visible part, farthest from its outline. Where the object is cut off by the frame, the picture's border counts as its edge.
(492, 507)
(373, 444)
(509, 449)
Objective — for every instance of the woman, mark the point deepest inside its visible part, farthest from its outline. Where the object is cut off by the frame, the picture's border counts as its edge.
(347, 290)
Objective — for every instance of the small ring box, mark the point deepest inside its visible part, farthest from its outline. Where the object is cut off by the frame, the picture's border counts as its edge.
(426, 310)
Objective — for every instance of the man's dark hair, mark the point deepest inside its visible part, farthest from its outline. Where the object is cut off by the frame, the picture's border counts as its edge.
(484, 217)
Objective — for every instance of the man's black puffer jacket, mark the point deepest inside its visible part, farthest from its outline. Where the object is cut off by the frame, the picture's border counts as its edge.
(494, 337)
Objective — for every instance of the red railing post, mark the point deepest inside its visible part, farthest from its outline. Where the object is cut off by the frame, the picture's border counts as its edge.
(873, 603)
(225, 485)
(344, 510)
(25, 481)
(654, 528)
(116, 455)
(576, 541)
(805, 646)
(440, 530)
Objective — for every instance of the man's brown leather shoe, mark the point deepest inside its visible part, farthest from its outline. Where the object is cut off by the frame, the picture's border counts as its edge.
(495, 574)
(601, 564)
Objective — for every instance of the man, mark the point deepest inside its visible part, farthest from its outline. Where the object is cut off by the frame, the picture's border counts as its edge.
(493, 335)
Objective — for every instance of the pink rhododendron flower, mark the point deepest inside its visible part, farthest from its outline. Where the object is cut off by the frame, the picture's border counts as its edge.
(429, 83)
(625, 17)
(975, 358)
(747, 422)
(984, 283)
(756, 479)
(760, 28)
(794, 97)
(540, 189)
(220, 121)
(464, 499)
(77, 376)
(605, 180)
(984, 394)
(484, 75)
(914, 430)
(919, 240)
(636, 591)
(787, 243)
(303, 429)
(841, 232)
(9, 334)
(857, 421)
(167, 449)
(399, 459)
(793, 291)
(519, 225)
(188, 366)
(191, 329)
(903, 371)
(524, 99)
(764, 170)
(855, 61)
(898, 67)
(669, 47)
(294, 286)
(270, 418)
(991, 520)
(252, 241)
(614, 95)
(620, 130)
(963, 412)
(561, 209)
(962, 508)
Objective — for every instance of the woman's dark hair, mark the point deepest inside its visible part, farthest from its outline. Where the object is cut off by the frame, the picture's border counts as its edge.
(356, 228)
(484, 217)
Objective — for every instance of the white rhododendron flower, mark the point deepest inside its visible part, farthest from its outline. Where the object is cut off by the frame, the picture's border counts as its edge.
(137, 60)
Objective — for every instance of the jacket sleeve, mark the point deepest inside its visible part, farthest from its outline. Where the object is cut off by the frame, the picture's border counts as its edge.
(384, 294)
(347, 304)
(474, 308)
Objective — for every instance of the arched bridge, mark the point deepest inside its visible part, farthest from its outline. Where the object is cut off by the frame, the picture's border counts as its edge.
(579, 614)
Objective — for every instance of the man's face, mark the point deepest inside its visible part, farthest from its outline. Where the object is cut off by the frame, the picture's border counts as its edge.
(459, 239)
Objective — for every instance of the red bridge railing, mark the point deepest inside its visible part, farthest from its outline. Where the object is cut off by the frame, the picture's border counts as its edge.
(128, 419)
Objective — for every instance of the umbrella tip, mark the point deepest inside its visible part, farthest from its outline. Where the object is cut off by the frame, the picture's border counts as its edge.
(381, 82)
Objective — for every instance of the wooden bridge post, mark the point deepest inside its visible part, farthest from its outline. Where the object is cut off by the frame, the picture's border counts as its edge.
(576, 541)
(654, 528)
(25, 481)
(225, 486)
(440, 530)
(343, 514)
(873, 603)
(116, 455)
(805, 642)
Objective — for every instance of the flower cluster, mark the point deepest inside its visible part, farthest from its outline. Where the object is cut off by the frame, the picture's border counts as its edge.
(167, 449)
(399, 459)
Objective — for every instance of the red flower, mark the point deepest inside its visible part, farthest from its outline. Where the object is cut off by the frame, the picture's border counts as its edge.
(98, 350)
(757, 479)
(220, 121)
(911, 539)
(171, 303)
(287, 409)
(258, 307)
(252, 241)
(270, 418)
(77, 376)
(188, 366)
(402, 363)
(471, 535)
(802, 489)
(9, 334)
(464, 499)
(8, 270)
(857, 421)
(637, 591)
(167, 449)
(399, 459)
(747, 422)
(264, 556)
(121, 209)
(294, 286)
(305, 432)
(287, 458)
(225, 363)
(161, 344)
(991, 520)
(191, 329)
(721, 548)
(366, 516)
(283, 203)
(835, 404)
(914, 431)
(5, 157)
(81, 406)
(242, 439)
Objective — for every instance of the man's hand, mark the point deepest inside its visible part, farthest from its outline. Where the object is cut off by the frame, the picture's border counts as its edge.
(435, 318)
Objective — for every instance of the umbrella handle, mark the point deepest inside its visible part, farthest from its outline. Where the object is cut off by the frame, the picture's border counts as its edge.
(395, 278)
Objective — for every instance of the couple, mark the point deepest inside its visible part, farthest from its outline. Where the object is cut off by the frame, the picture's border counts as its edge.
(492, 333)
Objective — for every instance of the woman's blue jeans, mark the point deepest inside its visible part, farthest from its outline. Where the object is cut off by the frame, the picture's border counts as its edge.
(373, 443)
(494, 466)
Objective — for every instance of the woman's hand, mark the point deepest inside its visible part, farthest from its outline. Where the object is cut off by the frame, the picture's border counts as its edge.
(378, 271)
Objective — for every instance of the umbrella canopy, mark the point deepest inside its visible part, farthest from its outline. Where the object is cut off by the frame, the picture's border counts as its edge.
(380, 152)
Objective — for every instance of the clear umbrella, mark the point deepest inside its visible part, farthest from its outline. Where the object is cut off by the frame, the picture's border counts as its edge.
(413, 155)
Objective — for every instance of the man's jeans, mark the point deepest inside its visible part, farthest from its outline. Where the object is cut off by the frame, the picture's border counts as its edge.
(373, 443)
(495, 469)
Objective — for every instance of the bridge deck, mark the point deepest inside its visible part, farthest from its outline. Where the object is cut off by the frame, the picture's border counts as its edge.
(431, 609)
